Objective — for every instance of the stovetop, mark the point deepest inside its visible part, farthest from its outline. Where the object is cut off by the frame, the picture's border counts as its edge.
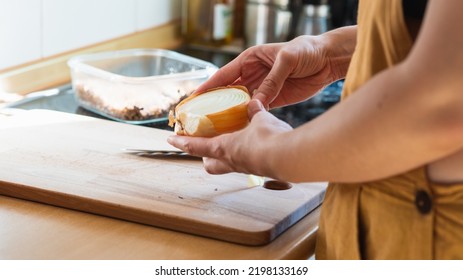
(62, 98)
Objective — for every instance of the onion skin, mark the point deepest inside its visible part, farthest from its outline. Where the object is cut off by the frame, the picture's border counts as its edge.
(231, 119)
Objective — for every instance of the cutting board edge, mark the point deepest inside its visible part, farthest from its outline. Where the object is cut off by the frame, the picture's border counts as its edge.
(299, 213)
(130, 214)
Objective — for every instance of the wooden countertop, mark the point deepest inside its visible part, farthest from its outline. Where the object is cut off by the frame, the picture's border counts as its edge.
(30, 230)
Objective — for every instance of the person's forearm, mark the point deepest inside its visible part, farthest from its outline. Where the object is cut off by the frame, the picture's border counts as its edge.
(388, 126)
(406, 116)
(339, 45)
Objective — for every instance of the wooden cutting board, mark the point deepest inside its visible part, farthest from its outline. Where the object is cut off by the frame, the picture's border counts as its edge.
(78, 162)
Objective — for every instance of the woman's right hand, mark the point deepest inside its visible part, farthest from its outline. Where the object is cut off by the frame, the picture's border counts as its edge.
(281, 74)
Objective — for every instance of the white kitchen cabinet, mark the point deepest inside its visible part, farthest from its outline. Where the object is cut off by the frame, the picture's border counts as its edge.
(34, 29)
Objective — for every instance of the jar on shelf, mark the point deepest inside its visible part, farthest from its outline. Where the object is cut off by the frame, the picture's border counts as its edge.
(208, 22)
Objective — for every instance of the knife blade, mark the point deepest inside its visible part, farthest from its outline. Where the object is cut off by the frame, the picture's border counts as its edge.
(159, 153)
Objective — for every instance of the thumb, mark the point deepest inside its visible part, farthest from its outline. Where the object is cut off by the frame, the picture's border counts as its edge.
(254, 107)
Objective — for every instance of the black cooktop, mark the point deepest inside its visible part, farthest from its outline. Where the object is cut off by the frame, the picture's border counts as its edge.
(62, 98)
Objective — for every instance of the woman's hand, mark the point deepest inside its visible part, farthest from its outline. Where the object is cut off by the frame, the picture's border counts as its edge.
(241, 151)
(286, 73)
(279, 74)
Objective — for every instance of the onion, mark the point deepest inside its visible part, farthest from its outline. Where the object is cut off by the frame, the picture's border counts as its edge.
(213, 112)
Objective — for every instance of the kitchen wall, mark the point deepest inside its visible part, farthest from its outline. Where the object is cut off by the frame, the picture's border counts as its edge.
(31, 30)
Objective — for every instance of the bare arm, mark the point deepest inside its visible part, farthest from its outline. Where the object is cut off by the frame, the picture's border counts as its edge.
(403, 118)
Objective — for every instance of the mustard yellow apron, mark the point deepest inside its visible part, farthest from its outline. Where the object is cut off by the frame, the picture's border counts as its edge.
(403, 217)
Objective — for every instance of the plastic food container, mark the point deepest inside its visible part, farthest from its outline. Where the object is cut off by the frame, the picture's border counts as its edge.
(136, 86)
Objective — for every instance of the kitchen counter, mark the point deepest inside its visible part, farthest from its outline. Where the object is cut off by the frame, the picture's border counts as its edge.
(32, 230)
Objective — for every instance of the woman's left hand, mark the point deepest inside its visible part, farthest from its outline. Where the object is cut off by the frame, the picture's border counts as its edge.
(242, 151)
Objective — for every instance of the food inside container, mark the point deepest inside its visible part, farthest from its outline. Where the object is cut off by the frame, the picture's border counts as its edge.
(136, 86)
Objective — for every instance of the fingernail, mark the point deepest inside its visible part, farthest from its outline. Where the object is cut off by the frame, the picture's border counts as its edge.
(171, 139)
(259, 104)
(262, 98)
(259, 96)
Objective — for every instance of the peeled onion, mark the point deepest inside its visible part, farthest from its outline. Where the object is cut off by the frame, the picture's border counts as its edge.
(213, 112)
